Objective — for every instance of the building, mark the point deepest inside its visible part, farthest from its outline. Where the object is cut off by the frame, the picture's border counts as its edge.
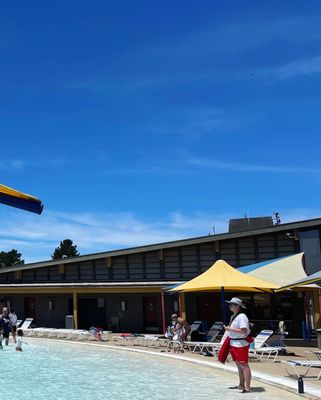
(129, 284)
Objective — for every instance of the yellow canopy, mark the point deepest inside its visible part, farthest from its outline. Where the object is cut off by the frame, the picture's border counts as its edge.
(222, 275)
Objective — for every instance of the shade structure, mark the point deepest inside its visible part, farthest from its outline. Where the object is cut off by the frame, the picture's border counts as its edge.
(281, 271)
(14, 198)
(222, 275)
(314, 278)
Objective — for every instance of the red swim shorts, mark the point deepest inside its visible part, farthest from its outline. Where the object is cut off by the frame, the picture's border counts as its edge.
(240, 354)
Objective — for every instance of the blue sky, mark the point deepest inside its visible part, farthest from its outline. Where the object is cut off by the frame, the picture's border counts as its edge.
(142, 122)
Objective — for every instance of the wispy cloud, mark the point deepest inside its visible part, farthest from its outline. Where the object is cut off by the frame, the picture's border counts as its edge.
(242, 35)
(303, 67)
(36, 237)
(243, 167)
(12, 165)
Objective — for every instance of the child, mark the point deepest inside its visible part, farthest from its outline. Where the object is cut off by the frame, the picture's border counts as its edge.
(19, 340)
(178, 337)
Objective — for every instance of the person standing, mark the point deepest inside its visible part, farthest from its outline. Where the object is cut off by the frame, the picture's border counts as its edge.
(13, 320)
(6, 325)
(238, 331)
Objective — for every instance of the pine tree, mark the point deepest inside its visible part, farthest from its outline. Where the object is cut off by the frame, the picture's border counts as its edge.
(65, 249)
(10, 258)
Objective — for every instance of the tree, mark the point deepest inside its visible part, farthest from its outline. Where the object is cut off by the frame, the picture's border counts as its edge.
(65, 249)
(10, 258)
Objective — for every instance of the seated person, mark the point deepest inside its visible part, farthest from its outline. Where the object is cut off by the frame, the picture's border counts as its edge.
(171, 326)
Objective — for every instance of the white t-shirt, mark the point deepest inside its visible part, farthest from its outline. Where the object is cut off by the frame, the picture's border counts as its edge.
(239, 322)
(19, 342)
(13, 319)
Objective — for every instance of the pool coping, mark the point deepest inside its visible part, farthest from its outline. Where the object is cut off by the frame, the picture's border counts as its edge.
(283, 383)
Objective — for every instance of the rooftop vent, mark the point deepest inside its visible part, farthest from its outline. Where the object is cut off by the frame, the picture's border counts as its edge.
(247, 224)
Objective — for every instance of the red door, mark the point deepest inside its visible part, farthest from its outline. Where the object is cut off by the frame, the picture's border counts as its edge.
(30, 307)
(150, 314)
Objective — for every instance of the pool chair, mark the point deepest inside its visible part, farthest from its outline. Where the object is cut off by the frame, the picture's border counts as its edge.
(211, 336)
(25, 326)
(19, 321)
(292, 368)
(259, 349)
(194, 329)
(316, 353)
(114, 323)
(212, 348)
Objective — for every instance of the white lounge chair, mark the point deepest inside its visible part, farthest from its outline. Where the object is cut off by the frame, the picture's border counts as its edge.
(291, 368)
(25, 326)
(212, 334)
(260, 349)
(317, 353)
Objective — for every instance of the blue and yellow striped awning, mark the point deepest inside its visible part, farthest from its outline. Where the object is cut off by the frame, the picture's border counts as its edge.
(14, 198)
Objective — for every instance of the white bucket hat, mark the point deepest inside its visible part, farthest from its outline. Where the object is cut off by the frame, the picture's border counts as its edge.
(237, 301)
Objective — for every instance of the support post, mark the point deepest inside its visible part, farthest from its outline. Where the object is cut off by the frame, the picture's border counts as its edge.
(223, 308)
(163, 312)
(182, 308)
(319, 304)
(75, 308)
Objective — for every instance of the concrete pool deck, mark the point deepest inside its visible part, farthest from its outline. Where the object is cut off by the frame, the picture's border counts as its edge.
(264, 371)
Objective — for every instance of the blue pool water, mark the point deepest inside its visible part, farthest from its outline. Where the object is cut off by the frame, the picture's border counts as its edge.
(63, 371)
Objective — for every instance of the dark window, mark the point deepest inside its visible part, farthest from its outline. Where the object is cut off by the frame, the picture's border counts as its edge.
(310, 244)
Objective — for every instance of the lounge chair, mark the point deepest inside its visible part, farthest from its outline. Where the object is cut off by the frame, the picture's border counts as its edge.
(259, 348)
(212, 334)
(114, 323)
(291, 368)
(25, 326)
(317, 353)
(194, 327)
(18, 323)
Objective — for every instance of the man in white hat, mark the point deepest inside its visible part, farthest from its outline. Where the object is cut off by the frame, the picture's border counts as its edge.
(238, 330)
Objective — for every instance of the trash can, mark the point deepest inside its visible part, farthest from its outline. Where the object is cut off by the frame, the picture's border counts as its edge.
(69, 322)
(318, 332)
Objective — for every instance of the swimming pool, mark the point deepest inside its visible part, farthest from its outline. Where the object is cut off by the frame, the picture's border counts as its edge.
(58, 370)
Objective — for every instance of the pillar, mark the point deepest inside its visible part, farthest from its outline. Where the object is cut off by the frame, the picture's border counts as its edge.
(75, 308)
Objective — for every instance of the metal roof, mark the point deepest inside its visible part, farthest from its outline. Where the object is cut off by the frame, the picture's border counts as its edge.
(93, 284)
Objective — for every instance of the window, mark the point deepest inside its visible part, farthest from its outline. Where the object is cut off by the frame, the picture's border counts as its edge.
(123, 305)
(175, 306)
(51, 305)
(310, 244)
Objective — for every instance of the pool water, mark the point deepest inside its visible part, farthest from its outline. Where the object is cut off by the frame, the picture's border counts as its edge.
(62, 371)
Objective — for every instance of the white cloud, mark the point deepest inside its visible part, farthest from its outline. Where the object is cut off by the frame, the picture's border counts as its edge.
(303, 67)
(244, 167)
(12, 165)
(37, 236)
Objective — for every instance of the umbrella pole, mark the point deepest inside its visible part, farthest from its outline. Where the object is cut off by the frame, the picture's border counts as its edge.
(223, 305)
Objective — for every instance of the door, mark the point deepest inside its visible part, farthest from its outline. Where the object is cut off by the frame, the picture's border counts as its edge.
(30, 308)
(91, 313)
(150, 314)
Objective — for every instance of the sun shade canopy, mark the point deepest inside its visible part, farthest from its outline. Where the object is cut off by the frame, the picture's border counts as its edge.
(222, 275)
(281, 271)
(314, 278)
(13, 198)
